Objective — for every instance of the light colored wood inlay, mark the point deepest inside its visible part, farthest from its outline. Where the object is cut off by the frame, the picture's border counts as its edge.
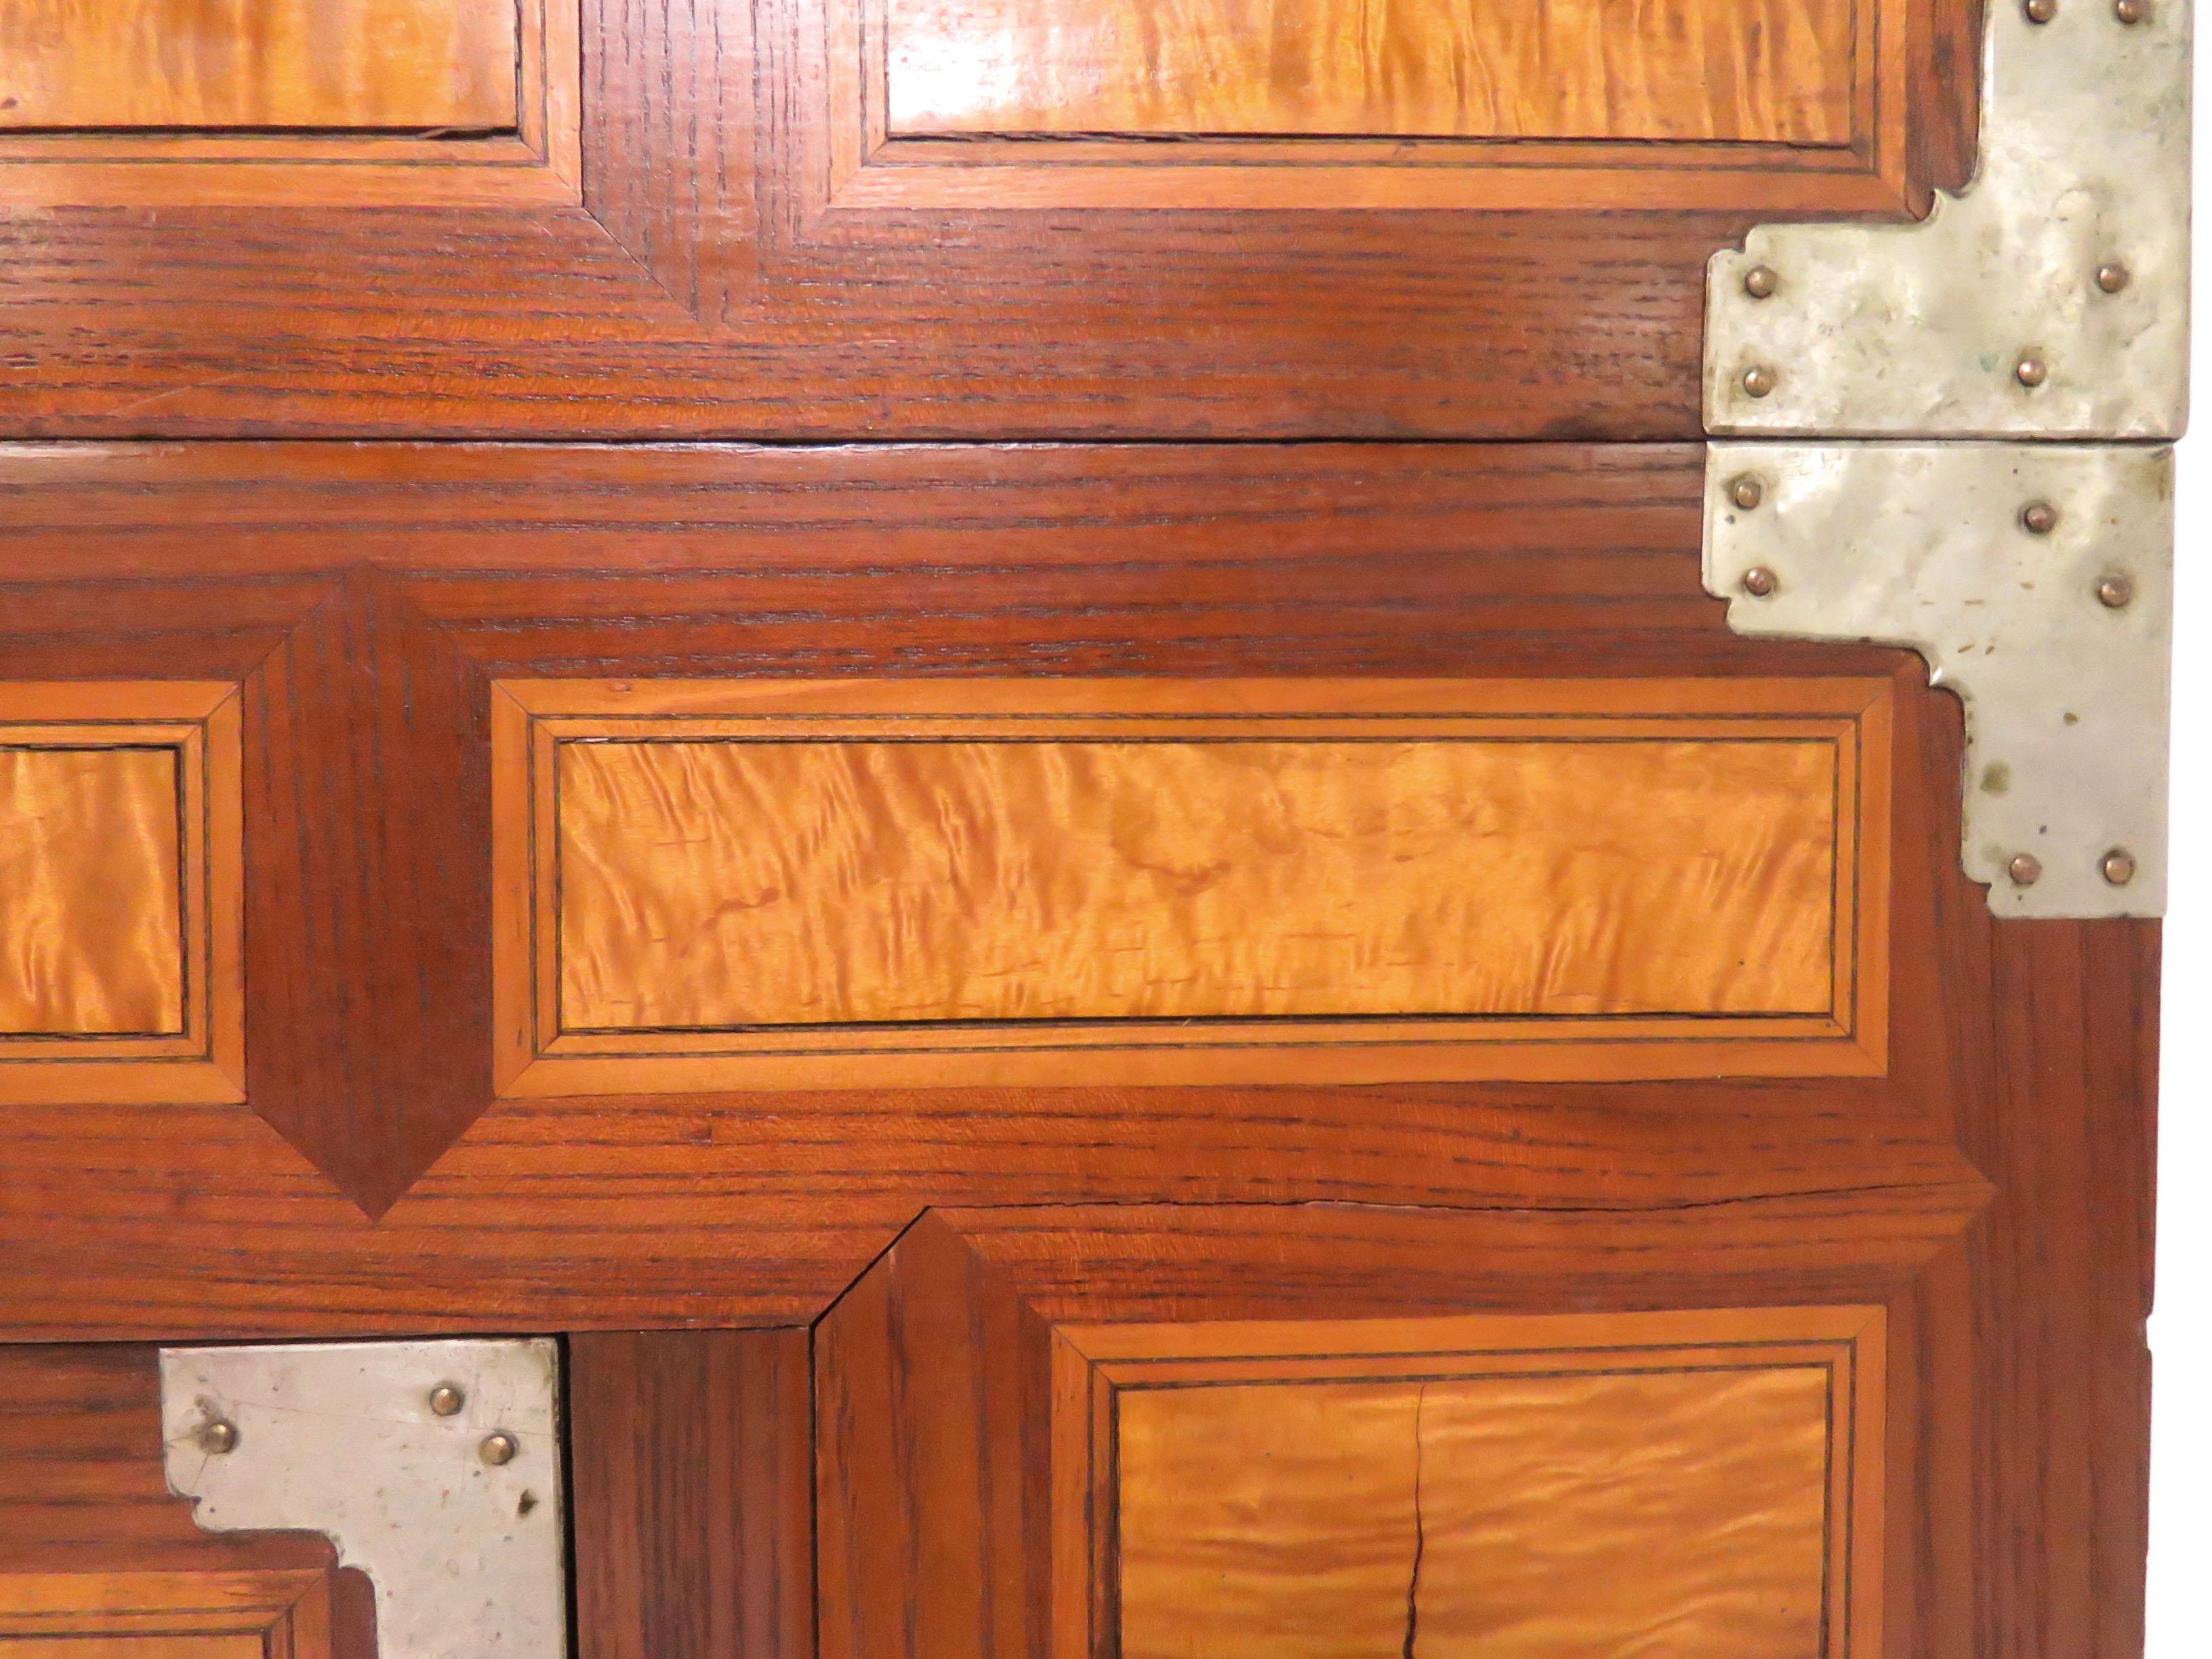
(220, 63)
(1777, 71)
(1626, 1494)
(91, 925)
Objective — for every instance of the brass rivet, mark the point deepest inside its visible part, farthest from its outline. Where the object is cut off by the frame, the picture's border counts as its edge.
(1746, 492)
(216, 1436)
(445, 1399)
(1758, 379)
(2025, 870)
(2131, 11)
(2038, 518)
(1759, 581)
(1760, 282)
(2119, 866)
(2112, 277)
(498, 1448)
(2041, 11)
(2116, 593)
(2031, 371)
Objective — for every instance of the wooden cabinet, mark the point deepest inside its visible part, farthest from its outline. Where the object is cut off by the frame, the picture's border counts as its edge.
(857, 702)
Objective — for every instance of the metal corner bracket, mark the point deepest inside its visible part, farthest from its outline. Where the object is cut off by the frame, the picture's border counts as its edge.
(1950, 435)
(434, 1467)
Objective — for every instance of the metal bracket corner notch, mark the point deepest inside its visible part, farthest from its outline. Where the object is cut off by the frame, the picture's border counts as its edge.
(434, 1466)
(2049, 300)
(2037, 580)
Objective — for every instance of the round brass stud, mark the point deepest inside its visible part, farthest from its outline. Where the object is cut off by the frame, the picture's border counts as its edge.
(2131, 11)
(2112, 277)
(2116, 593)
(1747, 493)
(1759, 581)
(2025, 870)
(447, 1401)
(2039, 11)
(2031, 371)
(216, 1436)
(1760, 282)
(2038, 518)
(2117, 866)
(498, 1448)
(1758, 380)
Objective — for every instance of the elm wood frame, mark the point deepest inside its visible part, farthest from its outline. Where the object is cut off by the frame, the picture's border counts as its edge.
(536, 1055)
(199, 722)
(693, 292)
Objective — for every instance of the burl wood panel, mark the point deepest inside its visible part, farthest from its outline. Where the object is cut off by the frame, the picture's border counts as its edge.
(215, 63)
(1775, 70)
(120, 892)
(1079, 864)
(91, 878)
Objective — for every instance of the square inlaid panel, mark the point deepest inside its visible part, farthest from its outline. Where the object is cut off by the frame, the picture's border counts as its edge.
(1673, 1486)
(120, 929)
(710, 884)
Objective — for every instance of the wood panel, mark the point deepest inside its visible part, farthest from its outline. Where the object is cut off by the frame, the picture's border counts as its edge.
(121, 852)
(1779, 71)
(691, 1494)
(1662, 1484)
(759, 885)
(273, 64)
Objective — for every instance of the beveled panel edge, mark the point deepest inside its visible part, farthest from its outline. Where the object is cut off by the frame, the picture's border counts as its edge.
(527, 1064)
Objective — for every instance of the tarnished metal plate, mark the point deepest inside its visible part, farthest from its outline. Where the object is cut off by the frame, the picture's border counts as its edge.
(1918, 330)
(466, 1555)
(1924, 546)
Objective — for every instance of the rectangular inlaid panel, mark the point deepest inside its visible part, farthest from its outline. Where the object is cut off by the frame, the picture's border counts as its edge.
(1672, 1485)
(1779, 71)
(220, 63)
(119, 891)
(1211, 879)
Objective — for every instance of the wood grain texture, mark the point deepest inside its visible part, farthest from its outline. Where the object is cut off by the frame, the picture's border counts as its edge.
(341, 63)
(792, 883)
(1659, 1484)
(691, 1494)
(1778, 70)
(91, 885)
(702, 290)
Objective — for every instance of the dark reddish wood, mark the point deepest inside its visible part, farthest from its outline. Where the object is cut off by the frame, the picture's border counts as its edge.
(691, 293)
(691, 1500)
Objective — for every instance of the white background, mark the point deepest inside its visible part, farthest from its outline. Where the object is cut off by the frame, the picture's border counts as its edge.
(2181, 1327)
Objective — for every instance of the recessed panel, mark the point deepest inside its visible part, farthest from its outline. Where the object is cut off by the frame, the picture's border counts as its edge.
(1777, 71)
(409, 64)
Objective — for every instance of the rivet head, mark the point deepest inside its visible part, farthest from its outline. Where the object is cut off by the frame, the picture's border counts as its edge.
(2131, 11)
(2038, 518)
(447, 1401)
(2039, 11)
(1747, 493)
(2116, 593)
(2031, 371)
(498, 1448)
(216, 1436)
(1758, 380)
(2025, 870)
(2112, 277)
(1760, 282)
(1759, 581)
(2117, 866)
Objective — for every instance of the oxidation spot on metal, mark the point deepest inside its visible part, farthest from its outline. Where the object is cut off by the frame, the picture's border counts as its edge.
(1996, 778)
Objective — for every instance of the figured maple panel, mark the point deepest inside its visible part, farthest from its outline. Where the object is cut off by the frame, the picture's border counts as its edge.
(333, 64)
(1773, 70)
(1191, 872)
(1673, 1486)
(120, 892)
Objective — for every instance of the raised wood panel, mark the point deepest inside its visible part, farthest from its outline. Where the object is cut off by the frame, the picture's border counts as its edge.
(710, 884)
(120, 892)
(1668, 1485)
(1775, 71)
(333, 64)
